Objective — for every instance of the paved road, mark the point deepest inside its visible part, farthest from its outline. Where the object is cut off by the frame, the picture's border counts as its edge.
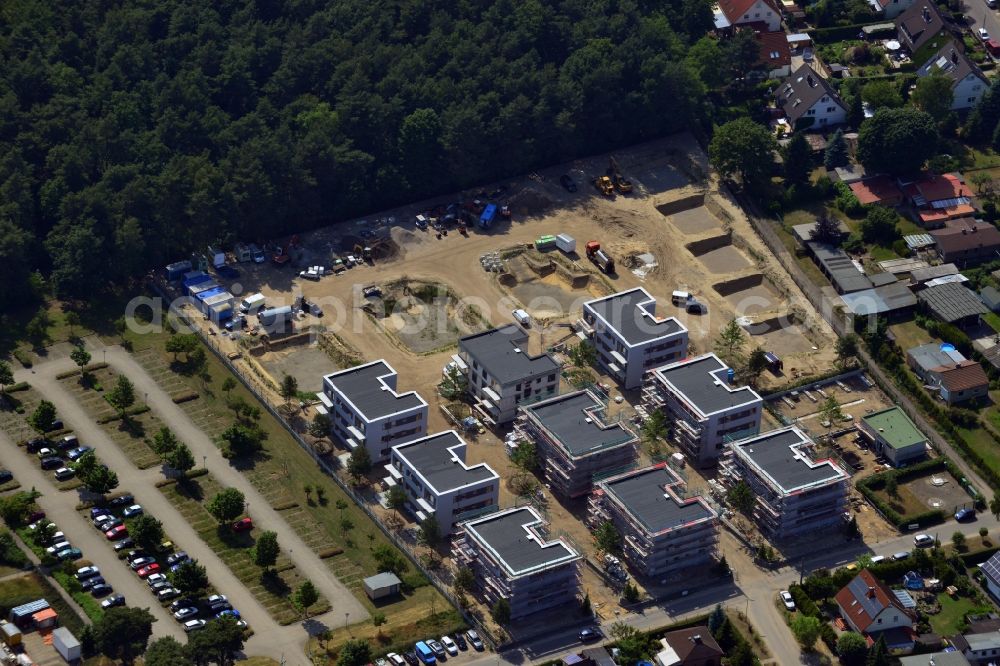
(982, 16)
(59, 508)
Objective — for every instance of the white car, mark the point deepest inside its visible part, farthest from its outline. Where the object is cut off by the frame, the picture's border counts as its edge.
(786, 598)
(55, 548)
(395, 659)
(101, 519)
(193, 625)
(216, 598)
(983, 35)
(153, 579)
(87, 572)
(923, 540)
(449, 645)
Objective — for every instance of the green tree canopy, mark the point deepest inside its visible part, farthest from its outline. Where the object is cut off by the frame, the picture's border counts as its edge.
(122, 395)
(797, 156)
(166, 651)
(742, 148)
(219, 642)
(122, 633)
(897, 141)
(305, 596)
(266, 550)
(852, 648)
(934, 96)
(43, 417)
(355, 652)
(190, 577)
(146, 531)
(227, 505)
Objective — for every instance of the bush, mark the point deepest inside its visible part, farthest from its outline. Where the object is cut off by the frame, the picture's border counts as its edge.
(23, 357)
(181, 397)
(327, 553)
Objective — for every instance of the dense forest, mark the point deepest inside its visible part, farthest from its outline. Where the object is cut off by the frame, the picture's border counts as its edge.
(132, 132)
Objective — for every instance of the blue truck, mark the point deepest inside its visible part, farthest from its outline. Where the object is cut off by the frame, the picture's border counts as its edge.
(489, 214)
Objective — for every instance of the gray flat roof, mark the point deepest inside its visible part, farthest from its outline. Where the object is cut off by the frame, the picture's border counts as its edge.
(642, 493)
(702, 381)
(839, 267)
(634, 323)
(384, 579)
(518, 547)
(503, 352)
(575, 419)
(370, 396)
(952, 302)
(887, 298)
(441, 467)
(777, 454)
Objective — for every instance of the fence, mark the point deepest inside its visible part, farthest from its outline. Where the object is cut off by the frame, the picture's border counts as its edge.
(253, 385)
(844, 325)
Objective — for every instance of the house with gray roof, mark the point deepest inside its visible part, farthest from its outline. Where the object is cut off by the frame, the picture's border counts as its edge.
(706, 409)
(513, 558)
(952, 303)
(438, 482)
(980, 648)
(794, 493)
(870, 608)
(809, 100)
(502, 374)
(365, 409)
(968, 83)
(575, 442)
(925, 358)
(920, 24)
(663, 530)
(629, 336)
(990, 296)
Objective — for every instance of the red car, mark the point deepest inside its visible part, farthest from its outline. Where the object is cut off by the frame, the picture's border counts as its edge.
(117, 532)
(149, 569)
(243, 525)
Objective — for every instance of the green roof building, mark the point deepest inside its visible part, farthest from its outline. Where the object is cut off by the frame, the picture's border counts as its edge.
(894, 436)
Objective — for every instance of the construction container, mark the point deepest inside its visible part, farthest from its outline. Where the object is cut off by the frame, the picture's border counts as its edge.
(66, 644)
(10, 634)
(545, 243)
(566, 243)
(177, 270)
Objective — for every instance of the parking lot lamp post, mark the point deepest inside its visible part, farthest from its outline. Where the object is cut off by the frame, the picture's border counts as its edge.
(204, 462)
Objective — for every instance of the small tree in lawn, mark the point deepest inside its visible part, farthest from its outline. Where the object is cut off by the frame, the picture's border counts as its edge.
(242, 439)
(355, 652)
(741, 497)
(72, 320)
(655, 427)
(607, 537)
(892, 486)
(583, 354)
(164, 441)
(984, 532)
(730, 341)
(453, 384)
(464, 580)
(501, 612)
(395, 498)
(755, 366)
(806, 630)
(122, 396)
(265, 551)
(180, 458)
(81, 357)
(836, 151)
(97, 478)
(289, 389)
(305, 596)
(43, 417)
(525, 456)
(830, 412)
(359, 464)
(227, 505)
(6, 377)
(228, 384)
(958, 540)
(378, 619)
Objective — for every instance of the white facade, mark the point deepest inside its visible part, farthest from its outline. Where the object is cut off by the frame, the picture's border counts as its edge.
(437, 481)
(827, 111)
(366, 410)
(760, 12)
(630, 338)
(968, 92)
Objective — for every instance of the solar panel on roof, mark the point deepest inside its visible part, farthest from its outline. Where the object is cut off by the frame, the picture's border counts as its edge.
(949, 203)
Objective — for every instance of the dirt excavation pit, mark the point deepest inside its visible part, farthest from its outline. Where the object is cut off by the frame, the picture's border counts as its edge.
(748, 294)
(548, 289)
(695, 221)
(307, 363)
(424, 316)
(718, 254)
(780, 333)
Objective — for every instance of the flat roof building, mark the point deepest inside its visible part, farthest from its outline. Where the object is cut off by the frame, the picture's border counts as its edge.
(366, 410)
(502, 374)
(663, 530)
(793, 493)
(512, 558)
(894, 436)
(629, 337)
(952, 303)
(574, 441)
(438, 482)
(698, 397)
(838, 266)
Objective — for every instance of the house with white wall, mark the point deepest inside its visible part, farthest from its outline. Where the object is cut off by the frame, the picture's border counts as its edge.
(809, 101)
(968, 83)
(734, 13)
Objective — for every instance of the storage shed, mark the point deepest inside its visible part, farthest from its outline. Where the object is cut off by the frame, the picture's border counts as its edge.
(66, 644)
(10, 634)
(21, 615)
(382, 585)
(44, 619)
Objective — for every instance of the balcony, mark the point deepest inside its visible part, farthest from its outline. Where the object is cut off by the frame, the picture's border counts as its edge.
(355, 433)
(621, 360)
(393, 472)
(694, 432)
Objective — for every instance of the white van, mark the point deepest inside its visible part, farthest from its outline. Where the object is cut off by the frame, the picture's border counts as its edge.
(680, 298)
(522, 317)
(252, 303)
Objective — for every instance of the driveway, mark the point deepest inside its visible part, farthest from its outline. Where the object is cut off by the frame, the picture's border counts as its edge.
(59, 507)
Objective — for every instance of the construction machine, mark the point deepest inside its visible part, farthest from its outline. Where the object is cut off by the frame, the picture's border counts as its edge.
(604, 184)
(621, 183)
(600, 258)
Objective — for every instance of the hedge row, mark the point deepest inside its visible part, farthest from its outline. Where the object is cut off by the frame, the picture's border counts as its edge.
(807, 606)
(93, 367)
(840, 33)
(181, 397)
(135, 410)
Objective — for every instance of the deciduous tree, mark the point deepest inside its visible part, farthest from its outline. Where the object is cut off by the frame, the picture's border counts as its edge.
(43, 417)
(190, 577)
(122, 633)
(305, 596)
(897, 141)
(227, 505)
(742, 148)
(266, 550)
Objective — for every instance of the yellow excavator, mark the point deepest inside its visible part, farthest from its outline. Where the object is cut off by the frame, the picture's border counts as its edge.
(604, 184)
(621, 183)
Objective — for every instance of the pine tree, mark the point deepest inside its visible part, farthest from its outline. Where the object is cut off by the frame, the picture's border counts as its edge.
(836, 151)
(797, 156)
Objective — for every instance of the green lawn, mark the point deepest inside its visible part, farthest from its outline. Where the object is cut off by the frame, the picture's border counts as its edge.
(953, 611)
(993, 319)
(31, 586)
(909, 335)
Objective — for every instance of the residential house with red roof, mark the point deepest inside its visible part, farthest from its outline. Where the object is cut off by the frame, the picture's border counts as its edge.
(732, 13)
(775, 57)
(870, 608)
(877, 190)
(936, 199)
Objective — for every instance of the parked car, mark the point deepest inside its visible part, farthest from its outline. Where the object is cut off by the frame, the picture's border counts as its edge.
(46, 452)
(983, 34)
(67, 442)
(132, 511)
(449, 645)
(78, 452)
(878, 558)
(475, 640)
(140, 562)
(786, 598)
(55, 548)
(436, 648)
(589, 634)
(69, 554)
(51, 462)
(395, 659)
(156, 578)
(35, 444)
(124, 500)
(87, 572)
(101, 590)
(136, 554)
(113, 600)
(64, 474)
(124, 544)
(193, 625)
(184, 613)
(901, 555)
(91, 582)
(229, 612)
(101, 519)
(168, 593)
(148, 569)
(116, 532)
(965, 514)
(177, 558)
(6, 475)
(243, 525)
(217, 607)
(411, 657)
(460, 639)
(110, 525)
(182, 603)
(159, 585)
(216, 598)
(98, 511)
(923, 540)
